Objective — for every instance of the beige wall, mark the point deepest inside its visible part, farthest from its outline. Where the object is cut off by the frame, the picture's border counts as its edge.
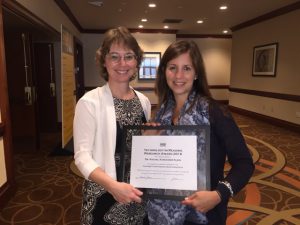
(3, 175)
(216, 55)
(91, 42)
(285, 30)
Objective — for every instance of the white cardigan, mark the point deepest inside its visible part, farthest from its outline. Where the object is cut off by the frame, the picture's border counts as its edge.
(95, 130)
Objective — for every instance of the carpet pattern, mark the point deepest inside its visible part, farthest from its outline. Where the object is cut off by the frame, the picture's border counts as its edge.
(272, 195)
(49, 188)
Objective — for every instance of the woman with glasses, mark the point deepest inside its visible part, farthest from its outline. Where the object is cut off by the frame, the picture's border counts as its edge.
(184, 99)
(98, 128)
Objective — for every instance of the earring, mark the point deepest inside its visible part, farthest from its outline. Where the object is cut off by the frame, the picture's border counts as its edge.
(195, 78)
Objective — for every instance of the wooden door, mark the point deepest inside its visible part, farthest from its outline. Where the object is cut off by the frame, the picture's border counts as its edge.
(46, 87)
(21, 90)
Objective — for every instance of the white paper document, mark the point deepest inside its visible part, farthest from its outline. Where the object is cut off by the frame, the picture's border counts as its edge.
(164, 162)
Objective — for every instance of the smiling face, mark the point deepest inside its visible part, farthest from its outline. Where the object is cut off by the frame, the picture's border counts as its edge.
(180, 75)
(120, 64)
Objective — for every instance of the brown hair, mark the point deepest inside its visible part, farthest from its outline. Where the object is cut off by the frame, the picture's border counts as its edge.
(119, 35)
(176, 49)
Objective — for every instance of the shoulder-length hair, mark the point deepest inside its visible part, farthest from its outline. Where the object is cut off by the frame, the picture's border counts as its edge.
(119, 35)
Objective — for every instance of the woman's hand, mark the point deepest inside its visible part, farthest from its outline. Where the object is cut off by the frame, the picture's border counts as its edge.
(153, 124)
(203, 201)
(122, 192)
(125, 193)
(150, 132)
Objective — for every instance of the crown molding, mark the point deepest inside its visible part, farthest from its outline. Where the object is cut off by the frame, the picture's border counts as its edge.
(267, 16)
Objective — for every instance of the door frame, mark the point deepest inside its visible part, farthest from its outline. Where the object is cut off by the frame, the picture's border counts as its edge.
(8, 189)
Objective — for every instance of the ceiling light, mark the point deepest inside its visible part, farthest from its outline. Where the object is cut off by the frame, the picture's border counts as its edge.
(144, 20)
(225, 31)
(141, 26)
(96, 3)
(199, 21)
(152, 5)
(166, 27)
(223, 7)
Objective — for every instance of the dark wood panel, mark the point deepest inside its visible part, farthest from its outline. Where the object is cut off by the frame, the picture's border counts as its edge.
(9, 188)
(88, 88)
(46, 97)
(264, 118)
(288, 97)
(144, 88)
(6, 192)
(225, 36)
(79, 69)
(23, 115)
(218, 86)
(1, 129)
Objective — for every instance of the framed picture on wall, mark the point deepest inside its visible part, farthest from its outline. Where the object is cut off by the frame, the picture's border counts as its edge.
(265, 60)
(149, 66)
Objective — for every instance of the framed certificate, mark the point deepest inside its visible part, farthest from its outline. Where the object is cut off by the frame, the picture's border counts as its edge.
(167, 162)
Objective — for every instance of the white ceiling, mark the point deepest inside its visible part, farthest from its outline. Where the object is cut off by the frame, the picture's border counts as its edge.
(129, 13)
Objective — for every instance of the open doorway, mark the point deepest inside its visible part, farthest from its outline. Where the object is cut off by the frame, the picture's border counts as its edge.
(31, 77)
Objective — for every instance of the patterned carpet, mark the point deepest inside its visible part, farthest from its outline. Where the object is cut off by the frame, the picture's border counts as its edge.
(49, 191)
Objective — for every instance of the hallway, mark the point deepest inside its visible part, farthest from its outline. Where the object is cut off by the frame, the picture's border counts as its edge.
(50, 193)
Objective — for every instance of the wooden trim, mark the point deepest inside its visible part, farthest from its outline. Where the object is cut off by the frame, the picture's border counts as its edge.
(7, 190)
(1, 129)
(20, 11)
(210, 87)
(267, 16)
(93, 31)
(288, 97)
(64, 7)
(144, 88)
(132, 30)
(88, 88)
(218, 86)
(264, 118)
(225, 36)
(225, 102)
(153, 31)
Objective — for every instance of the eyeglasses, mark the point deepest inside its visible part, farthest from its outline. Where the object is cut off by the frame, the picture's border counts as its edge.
(116, 58)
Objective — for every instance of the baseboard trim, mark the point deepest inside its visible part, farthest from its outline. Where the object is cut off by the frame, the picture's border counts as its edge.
(7, 191)
(278, 122)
